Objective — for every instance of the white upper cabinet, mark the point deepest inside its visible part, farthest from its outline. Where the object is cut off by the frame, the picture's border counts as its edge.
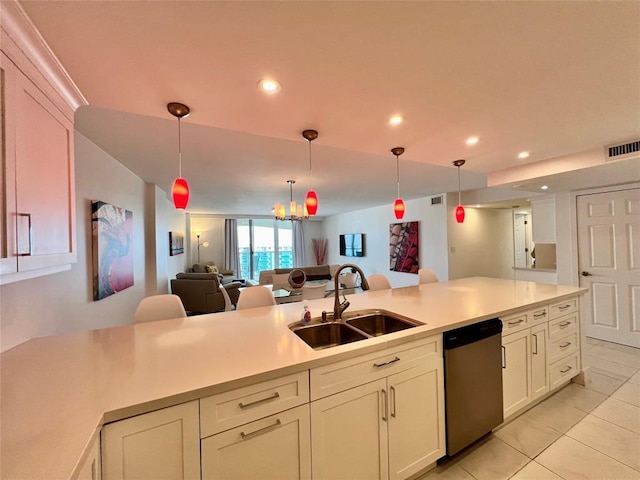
(543, 212)
(37, 205)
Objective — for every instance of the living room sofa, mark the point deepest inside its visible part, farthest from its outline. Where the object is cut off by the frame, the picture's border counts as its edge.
(225, 276)
(200, 292)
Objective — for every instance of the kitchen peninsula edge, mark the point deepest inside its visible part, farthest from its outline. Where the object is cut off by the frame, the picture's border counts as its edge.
(58, 392)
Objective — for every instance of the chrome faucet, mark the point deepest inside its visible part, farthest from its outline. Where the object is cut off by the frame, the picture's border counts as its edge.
(338, 307)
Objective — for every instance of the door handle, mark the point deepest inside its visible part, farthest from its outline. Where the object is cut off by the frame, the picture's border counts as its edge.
(504, 357)
(535, 343)
(393, 401)
(384, 410)
(586, 274)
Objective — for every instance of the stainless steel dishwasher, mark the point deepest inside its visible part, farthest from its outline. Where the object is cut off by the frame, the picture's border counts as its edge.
(472, 382)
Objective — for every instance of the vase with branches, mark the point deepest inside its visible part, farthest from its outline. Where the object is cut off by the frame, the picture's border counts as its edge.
(319, 249)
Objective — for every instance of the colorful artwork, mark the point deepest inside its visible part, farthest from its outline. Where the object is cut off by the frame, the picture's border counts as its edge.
(404, 247)
(176, 243)
(112, 229)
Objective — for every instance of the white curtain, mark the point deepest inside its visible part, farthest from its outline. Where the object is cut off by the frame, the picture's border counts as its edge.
(231, 245)
(299, 250)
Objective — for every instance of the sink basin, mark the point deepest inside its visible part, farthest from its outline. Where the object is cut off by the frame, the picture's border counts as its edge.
(379, 322)
(325, 335)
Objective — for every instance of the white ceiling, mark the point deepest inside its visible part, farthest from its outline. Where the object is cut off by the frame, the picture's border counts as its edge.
(552, 78)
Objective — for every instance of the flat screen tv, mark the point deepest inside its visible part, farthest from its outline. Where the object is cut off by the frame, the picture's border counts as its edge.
(352, 245)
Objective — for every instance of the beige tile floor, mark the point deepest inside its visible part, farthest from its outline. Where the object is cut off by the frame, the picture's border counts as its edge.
(590, 432)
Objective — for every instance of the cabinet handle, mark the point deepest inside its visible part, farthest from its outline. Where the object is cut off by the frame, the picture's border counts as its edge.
(518, 322)
(535, 343)
(393, 401)
(261, 430)
(564, 307)
(257, 402)
(504, 357)
(565, 344)
(539, 315)
(565, 370)
(384, 410)
(24, 226)
(564, 324)
(378, 365)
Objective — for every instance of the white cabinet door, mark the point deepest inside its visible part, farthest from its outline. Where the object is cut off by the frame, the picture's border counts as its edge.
(516, 368)
(539, 370)
(38, 207)
(277, 447)
(349, 434)
(164, 444)
(544, 219)
(416, 419)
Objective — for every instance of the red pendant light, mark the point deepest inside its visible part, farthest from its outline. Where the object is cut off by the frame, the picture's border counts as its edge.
(398, 206)
(180, 189)
(459, 208)
(311, 201)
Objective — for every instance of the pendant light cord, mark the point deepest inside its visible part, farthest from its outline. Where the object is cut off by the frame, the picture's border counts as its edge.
(310, 169)
(398, 173)
(179, 150)
(459, 186)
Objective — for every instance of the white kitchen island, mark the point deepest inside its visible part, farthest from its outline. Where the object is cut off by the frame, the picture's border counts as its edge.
(58, 392)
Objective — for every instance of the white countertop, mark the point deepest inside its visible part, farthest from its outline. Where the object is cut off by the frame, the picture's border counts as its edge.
(58, 391)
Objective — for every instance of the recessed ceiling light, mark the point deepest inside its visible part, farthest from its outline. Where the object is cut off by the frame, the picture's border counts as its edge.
(472, 140)
(269, 86)
(396, 120)
(523, 155)
(544, 187)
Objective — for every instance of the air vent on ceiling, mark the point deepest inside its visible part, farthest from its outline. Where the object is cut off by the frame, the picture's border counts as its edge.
(436, 200)
(621, 151)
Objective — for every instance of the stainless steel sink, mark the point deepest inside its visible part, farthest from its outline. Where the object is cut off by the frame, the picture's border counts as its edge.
(379, 322)
(357, 325)
(325, 335)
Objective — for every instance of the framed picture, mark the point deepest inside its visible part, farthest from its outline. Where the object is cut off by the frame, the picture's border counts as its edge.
(404, 247)
(176, 243)
(112, 229)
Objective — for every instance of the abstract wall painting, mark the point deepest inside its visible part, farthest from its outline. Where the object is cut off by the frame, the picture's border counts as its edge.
(176, 243)
(112, 229)
(404, 247)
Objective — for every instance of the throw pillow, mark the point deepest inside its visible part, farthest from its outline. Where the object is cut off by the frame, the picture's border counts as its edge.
(198, 268)
(211, 269)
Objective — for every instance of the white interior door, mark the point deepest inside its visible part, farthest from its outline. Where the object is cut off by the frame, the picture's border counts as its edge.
(520, 240)
(609, 264)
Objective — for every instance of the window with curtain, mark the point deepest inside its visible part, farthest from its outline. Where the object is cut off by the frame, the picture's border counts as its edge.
(263, 244)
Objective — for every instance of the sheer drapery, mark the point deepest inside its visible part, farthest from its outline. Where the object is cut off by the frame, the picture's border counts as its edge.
(299, 253)
(231, 245)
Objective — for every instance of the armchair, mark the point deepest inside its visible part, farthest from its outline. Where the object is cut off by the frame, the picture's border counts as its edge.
(200, 292)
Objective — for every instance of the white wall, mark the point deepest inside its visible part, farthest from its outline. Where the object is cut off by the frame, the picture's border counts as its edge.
(63, 302)
(482, 245)
(168, 219)
(313, 229)
(374, 223)
(211, 229)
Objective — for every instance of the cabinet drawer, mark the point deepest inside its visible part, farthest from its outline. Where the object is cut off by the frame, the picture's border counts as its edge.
(562, 347)
(562, 325)
(275, 447)
(538, 315)
(514, 322)
(243, 405)
(563, 370)
(346, 374)
(563, 308)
